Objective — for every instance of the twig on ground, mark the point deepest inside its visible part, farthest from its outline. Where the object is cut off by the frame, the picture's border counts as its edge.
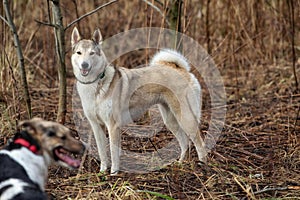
(266, 189)
(247, 190)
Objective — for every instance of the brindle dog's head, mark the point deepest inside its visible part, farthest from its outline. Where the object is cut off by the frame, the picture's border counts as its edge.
(55, 141)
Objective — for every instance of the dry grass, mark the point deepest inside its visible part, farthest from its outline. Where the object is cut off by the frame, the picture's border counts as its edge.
(258, 154)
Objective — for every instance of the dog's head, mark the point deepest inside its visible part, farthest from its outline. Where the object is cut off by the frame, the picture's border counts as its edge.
(55, 141)
(88, 59)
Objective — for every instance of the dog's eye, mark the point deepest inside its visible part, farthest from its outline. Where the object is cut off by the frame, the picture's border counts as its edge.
(51, 133)
(78, 52)
(92, 53)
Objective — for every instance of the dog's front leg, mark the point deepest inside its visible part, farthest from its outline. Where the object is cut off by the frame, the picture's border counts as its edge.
(101, 142)
(115, 145)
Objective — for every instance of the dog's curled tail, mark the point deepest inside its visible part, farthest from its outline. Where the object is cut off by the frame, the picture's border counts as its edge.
(170, 56)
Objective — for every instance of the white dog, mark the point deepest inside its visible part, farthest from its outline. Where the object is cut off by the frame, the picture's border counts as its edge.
(112, 97)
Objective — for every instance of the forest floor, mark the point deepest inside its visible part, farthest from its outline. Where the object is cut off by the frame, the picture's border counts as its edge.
(256, 157)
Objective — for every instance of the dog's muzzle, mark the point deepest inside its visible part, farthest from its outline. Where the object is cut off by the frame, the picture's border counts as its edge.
(85, 68)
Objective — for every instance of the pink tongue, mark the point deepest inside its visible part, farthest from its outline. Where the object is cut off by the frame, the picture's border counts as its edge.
(67, 159)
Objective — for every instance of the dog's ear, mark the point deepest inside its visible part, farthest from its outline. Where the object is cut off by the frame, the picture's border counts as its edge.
(28, 125)
(75, 36)
(97, 37)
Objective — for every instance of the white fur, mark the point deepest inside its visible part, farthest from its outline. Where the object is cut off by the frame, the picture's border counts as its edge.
(18, 187)
(195, 90)
(35, 166)
(92, 104)
(169, 55)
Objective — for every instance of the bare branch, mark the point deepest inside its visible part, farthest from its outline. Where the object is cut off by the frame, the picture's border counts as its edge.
(90, 13)
(159, 2)
(157, 9)
(292, 25)
(4, 20)
(76, 11)
(45, 23)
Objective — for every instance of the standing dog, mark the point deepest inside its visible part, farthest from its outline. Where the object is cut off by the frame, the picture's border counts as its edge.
(25, 160)
(112, 97)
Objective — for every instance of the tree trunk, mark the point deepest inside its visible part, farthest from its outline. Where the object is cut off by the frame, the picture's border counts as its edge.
(60, 50)
(207, 27)
(174, 17)
(20, 57)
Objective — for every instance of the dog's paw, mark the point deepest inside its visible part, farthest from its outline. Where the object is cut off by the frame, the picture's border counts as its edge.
(201, 163)
(203, 160)
(103, 168)
(114, 172)
(202, 155)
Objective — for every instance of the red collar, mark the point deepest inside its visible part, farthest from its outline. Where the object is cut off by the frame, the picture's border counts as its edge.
(26, 144)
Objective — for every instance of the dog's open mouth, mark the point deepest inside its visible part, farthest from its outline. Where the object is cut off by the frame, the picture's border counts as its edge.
(60, 154)
(85, 72)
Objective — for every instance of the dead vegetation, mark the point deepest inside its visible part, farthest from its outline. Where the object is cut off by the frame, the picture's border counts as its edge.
(258, 154)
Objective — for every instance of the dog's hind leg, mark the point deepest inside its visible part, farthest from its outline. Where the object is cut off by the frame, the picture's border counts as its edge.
(187, 115)
(172, 124)
(189, 124)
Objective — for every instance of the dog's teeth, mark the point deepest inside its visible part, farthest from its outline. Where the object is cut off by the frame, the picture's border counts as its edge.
(61, 154)
(84, 72)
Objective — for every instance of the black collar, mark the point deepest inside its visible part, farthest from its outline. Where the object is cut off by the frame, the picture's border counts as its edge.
(100, 76)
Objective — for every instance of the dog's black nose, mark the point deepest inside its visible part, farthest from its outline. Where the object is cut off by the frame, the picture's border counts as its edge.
(85, 65)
